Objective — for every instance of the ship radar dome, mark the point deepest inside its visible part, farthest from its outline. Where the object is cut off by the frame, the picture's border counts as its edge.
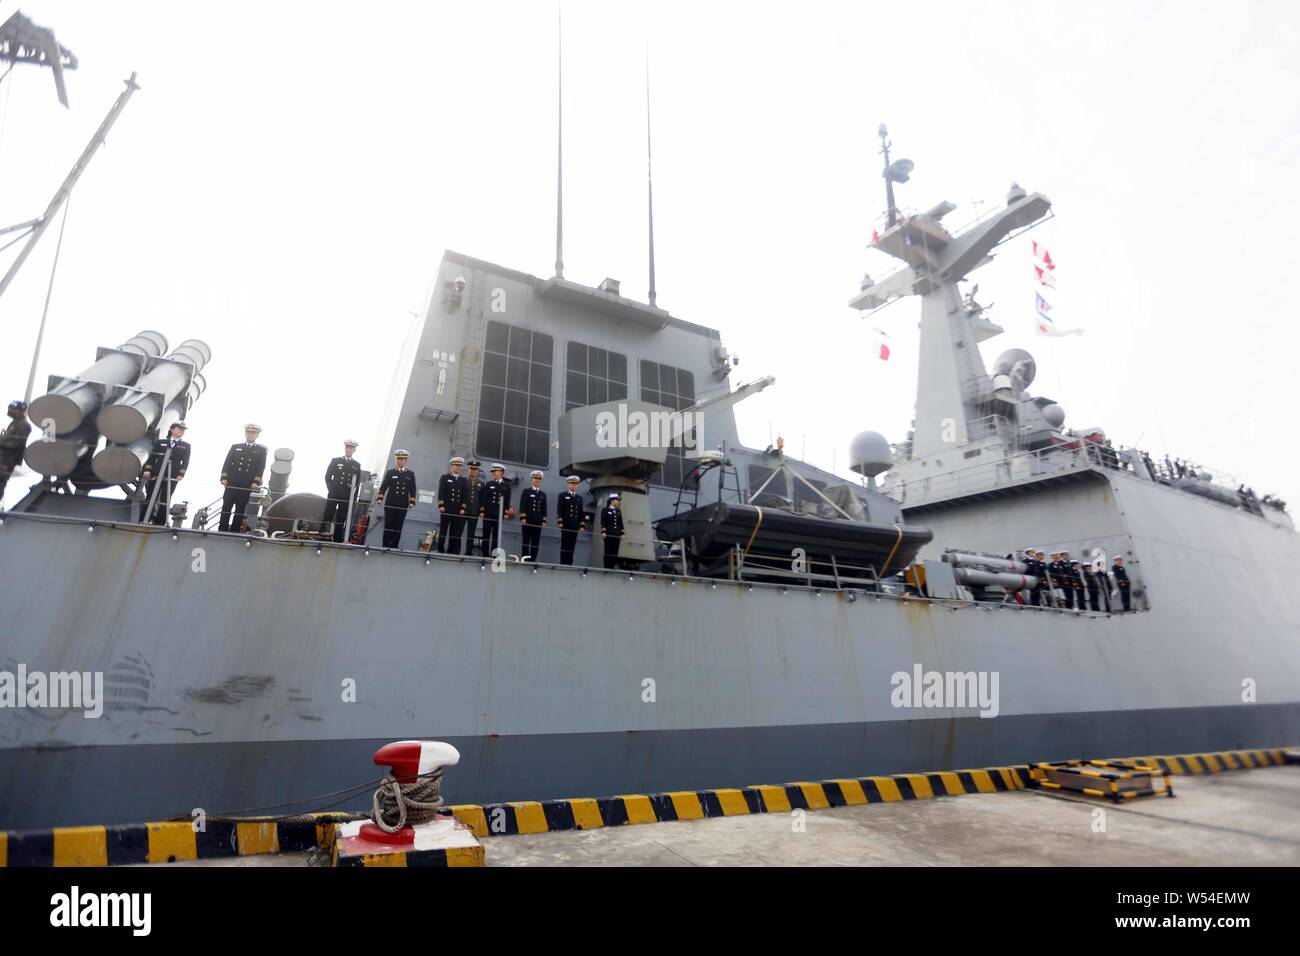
(1054, 414)
(1019, 366)
(869, 454)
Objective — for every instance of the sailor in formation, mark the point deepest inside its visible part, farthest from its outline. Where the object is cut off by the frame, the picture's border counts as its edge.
(1093, 584)
(532, 512)
(611, 530)
(1076, 580)
(571, 516)
(494, 505)
(1060, 572)
(1122, 583)
(1035, 567)
(452, 494)
(342, 482)
(13, 442)
(164, 468)
(397, 495)
(473, 502)
(241, 475)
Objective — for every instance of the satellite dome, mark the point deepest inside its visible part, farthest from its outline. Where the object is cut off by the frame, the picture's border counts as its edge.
(1055, 415)
(1019, 365)
(869, 454)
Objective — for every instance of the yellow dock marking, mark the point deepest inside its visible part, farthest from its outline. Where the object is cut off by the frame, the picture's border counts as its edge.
(920, 785)
(529, 817)
(888, 789)
(774, 798)
(252, 838)
(853, 792)
(586, 814)
(472, 816)
(80, 846)
(171, 841)
(814, 795)
(686, 804)
(639, 809)
(732, 803)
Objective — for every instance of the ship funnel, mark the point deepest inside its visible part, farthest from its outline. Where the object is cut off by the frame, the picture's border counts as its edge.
(71, 399)
(141, 407)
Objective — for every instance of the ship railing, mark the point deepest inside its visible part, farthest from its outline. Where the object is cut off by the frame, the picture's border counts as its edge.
(1005, 472)
(807, 572)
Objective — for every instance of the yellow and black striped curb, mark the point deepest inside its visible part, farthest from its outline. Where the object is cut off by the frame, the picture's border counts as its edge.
(500, 819)
(1215, 762)
(166, 842)
(172, 841)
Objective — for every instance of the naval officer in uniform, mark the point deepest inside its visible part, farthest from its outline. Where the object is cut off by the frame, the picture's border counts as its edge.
(241, 475)
(473, 502)
(342, 482)
(453, 492)
(397, 495)
(494, 504)
(174, 450)
(571, 517)
(13, 442)
(532, 512)
(1122, 582)
(611, 530)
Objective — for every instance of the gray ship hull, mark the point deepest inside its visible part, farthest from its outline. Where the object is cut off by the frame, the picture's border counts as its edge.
(230, 688)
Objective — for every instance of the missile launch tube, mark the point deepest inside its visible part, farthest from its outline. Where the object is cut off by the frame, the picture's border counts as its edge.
(984, 579)
(75, 398)
(965, 560)
(119, 464)
(136, 412)
(59, 458)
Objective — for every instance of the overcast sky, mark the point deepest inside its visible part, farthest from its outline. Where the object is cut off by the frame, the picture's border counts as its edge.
(287, 178)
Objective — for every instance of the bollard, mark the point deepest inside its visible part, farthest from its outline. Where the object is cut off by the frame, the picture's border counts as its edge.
(442, 841)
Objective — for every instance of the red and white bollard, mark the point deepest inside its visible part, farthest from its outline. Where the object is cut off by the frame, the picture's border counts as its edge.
(443, 841)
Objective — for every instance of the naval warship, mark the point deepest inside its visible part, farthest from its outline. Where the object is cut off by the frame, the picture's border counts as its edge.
(758, 629)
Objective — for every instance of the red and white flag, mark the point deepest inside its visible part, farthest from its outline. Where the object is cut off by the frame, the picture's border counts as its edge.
(882, 351)
(1043, 256)
(1045, 278)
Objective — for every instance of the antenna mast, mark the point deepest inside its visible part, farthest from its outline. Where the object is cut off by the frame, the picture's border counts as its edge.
(649, 177)
(559, 140)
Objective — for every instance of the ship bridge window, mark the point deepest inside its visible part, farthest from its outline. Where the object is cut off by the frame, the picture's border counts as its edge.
(592, 376)
(675, 389)
(514, 411)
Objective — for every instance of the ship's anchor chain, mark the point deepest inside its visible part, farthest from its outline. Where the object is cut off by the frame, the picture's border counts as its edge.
(397, 805)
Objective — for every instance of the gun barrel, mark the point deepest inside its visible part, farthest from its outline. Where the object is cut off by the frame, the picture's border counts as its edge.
(70, 400)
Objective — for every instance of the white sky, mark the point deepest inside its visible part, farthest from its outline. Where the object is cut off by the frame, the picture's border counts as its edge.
(285, 182)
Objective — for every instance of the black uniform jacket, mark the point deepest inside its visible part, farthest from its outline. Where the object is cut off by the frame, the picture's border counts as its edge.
(532, 506)
(401, 484)
(244, 465)
(179, 461)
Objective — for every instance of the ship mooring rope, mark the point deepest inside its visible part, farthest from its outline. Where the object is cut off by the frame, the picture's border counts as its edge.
(397, 804)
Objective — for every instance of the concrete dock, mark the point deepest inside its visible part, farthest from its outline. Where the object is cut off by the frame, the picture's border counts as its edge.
(1247, 818)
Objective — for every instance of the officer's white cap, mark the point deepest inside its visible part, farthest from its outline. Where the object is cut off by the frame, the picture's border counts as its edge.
(573, 478)
(614, 497)
(497, 466)
(250, 427)
(456, 460)
(401, 453)
(536, 474)
(349, 444)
